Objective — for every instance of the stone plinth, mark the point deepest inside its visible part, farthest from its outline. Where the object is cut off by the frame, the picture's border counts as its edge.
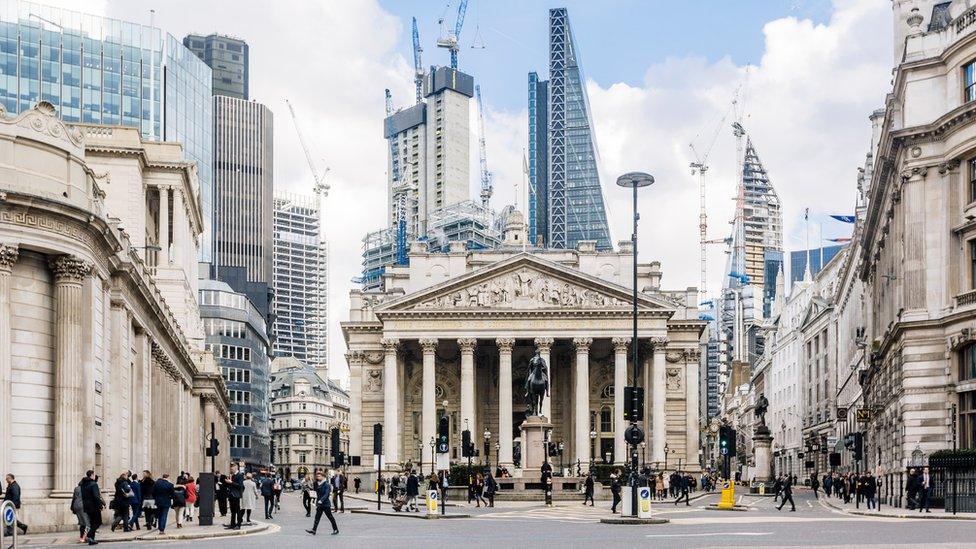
(534, 430)
(762, 441)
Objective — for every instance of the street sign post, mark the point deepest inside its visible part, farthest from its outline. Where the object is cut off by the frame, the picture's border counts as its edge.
(433, 499)
(8, 515)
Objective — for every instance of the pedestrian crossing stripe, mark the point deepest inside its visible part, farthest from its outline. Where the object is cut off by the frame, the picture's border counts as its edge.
(556, 514)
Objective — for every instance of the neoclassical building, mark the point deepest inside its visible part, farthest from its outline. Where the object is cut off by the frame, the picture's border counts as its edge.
(451, 334)
(101, 358)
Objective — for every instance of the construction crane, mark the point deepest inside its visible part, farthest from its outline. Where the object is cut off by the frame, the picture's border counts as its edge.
(450, 41)
(486, 185)
(418, 66)
(321, 187)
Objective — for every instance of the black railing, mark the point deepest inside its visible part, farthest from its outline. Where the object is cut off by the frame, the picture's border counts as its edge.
(953, 483)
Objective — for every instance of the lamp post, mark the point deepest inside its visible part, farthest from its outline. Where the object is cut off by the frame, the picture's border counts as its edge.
(592, 447)
(643, 447)
(562, 446)
(665, 456)
(498, 449)
(433, 457)
(634, 434)
(487, 437)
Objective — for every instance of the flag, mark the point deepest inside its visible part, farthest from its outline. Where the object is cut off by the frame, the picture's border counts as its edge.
(806, 214)
(844, 218)
(838, 240)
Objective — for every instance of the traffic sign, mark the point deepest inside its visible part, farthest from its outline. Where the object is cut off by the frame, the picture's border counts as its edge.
(644, 502)
(433, 499)
(831, 441)
(8, 516)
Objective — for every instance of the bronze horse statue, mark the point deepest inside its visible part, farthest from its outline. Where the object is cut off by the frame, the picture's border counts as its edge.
(536, 384)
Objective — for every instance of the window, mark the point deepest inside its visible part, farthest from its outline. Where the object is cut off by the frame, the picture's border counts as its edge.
(969, 80)
(967, 419)
(606, 420)
(972, 260)
(240, 441)
(967, 366)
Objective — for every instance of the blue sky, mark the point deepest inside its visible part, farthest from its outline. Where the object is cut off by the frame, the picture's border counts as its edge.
(618, 39)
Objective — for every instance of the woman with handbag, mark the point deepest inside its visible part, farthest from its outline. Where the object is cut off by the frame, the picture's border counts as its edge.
(179, 501)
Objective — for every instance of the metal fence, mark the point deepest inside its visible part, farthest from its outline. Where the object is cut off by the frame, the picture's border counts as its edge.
(953, 483)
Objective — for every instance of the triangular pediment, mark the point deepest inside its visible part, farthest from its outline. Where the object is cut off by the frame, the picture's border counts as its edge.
(525, 282)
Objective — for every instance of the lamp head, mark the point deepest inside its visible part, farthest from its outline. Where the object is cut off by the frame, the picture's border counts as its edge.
(635, 179)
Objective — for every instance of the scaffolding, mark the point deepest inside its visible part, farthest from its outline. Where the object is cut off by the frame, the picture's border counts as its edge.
(466, 222)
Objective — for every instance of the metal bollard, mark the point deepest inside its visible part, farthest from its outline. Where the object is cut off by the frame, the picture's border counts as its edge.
(8, 519)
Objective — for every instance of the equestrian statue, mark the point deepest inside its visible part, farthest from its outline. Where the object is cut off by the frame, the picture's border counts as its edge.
(536, 384)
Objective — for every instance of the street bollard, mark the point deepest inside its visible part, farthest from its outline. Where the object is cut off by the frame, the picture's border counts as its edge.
(8, 519)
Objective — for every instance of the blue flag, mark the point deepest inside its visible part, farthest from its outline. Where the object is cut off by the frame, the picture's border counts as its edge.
(845, 218)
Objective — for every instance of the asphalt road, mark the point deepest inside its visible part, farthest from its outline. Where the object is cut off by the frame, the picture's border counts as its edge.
(572, 525)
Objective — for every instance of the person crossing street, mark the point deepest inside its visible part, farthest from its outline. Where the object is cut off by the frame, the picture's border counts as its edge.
(682, 487)
(787, 495)
(322, 504)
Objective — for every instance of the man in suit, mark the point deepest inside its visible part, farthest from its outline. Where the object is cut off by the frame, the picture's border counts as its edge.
(267, 492)
(163, 494)
(322, 503)
(221, 492)
(235, 490)
(13, 496)
(787, 495)
(925, 490)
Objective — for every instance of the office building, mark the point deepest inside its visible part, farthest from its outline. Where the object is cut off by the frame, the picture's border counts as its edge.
(237, 335)
(763, 227)
(573, 201)
(227, 57)
(99, 70)
(818, 257)
(300, 282)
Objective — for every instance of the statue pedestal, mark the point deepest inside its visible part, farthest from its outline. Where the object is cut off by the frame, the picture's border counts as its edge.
(533, 444)
(762, 441)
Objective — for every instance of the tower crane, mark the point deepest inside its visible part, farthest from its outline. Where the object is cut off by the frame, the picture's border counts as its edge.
(486, 184)
(450, 41)
(418, 67)
(321, 187)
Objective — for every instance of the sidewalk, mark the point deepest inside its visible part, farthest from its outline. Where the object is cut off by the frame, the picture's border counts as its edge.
(188, 532)
(893, 512)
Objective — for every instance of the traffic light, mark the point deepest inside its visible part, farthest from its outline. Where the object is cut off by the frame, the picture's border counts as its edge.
(858, 447)
(629, 414)
(377, 439)
(335, 446)
(214, 449)
(467, 449)
(443, 432)
(726, 440)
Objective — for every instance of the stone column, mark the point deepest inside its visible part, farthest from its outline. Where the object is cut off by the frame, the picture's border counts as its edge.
(659, 424)
(164, 225)
(505, 443)
(8, 256)
(582, 398)
(355, 361)
(544, 345)
(619, 382)
(429, 409)
(467, 385)
(70, 274)
(693, 417)
(391, 395)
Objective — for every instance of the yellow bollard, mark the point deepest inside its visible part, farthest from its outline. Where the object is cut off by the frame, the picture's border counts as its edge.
(728, 496)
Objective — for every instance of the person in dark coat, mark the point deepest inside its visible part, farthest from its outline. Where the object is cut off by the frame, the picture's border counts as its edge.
(911, 489)
(120, 503)
(12, 494)
(787, 495)
(148, 502)
(615, 489)
(777, 488)
(589, 485)
(135, 501)
(163, 491)
(91, 497)
(267, 492)
(235, 491)
(491, 487)
(413, 491)
(681, 488)
(220, 490)
(322, 504)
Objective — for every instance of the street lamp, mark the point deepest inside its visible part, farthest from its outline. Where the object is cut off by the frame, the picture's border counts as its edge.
(592, 447)
(643, 447)
(433, 445)
(498, 449)
(487, 436)
(562, 446)
(634, 434)
(665, 456)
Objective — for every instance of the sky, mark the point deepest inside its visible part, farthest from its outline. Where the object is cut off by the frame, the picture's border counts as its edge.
(660, 75)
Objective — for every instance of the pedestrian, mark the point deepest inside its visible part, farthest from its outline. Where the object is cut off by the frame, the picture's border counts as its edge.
(78, 508)
(815, 484)
(191, 497)
(827, 483)
(267, 492)
(179, 500)
(277, 487)
(413, 491)
(146, 484)
(787, 495)
(235, 490)
(338, 491)
(589, 486)
(12, 494)
(220, 489)
(249, 497)
(120, 503)
(92, 503)
(135, 502)
(925, 490)
(681, 488)
(356, 482)
(911, 489)
(870, 490)
(434, 482)
(163, 491)
(615, 489)
(322, 504)
(777, 488)
(307, 489)
(491, 487)
(479, 490)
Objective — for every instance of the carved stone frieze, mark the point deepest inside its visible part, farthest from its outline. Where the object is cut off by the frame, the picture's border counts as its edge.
(673, 378)
(48, 223)
(673, 356)
(523, 289)
(373, 380)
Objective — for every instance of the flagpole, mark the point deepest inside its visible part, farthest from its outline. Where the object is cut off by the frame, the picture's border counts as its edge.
(821, 246)
(806, 219)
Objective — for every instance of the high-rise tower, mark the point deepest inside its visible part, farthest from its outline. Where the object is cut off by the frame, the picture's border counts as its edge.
(227, 57)
(573, 200)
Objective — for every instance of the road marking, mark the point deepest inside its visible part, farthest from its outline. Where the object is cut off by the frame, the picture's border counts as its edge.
(810, 505)
(708, 534)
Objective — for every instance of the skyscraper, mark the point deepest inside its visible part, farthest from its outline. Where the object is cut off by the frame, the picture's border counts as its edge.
(574, 198)
(763, 227)
(99, 70)
(227, 57)
(538, 160)
(301, 303)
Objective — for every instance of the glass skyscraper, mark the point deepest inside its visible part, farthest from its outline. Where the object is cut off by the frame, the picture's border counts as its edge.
(538, 160)
(98, 70)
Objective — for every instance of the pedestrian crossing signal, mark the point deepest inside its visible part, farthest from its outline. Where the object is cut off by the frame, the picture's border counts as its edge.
(443, 432)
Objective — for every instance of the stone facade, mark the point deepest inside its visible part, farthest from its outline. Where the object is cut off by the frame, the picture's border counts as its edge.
(100, 366)
(451, 334)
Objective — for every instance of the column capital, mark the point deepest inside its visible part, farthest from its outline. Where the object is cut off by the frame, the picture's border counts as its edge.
(68, 268)
(657, 342)
(390, 344)
(620, 344)
(582, 344)
(467, 344)
(543, 344)
(355, 357)
(8, 256)
(428, 344)
(505, 344)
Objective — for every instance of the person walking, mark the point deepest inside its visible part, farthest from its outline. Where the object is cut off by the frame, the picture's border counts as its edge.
(787, 495)
(338, 491)
(179, 500)
(78, 508)
(92, 503)
(12, 494)
(135, 502)
(925, 490)
(307, 489)
(491, 487)
(479, 490)
(322, 504)
(220, 490)
(249, 497)
(615, 489)
(120, 503)
(589, 485)
(827, 482)
(681, 487)
(191, 497)
(815, 484)
(870, 491)
(777, 488)
(413, 491)
(163, 491)
(277, 487)
(357, 482)
(146, 484)
(267, 492)
(235, 490)
(658, 486)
